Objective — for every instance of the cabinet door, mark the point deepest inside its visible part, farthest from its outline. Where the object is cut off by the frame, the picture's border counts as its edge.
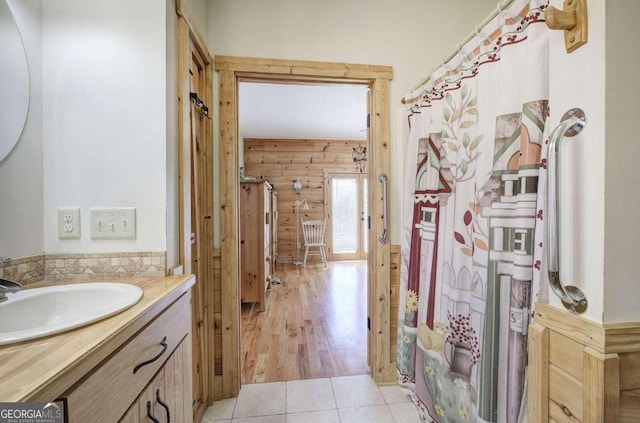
(177, 383)
(133, 414)
(147, 408)
(159, 400)
(168, 397)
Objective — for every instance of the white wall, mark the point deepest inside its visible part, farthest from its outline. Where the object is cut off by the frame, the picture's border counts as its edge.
(105, 111)
(577, 80)
(599, 246)
(622, 175)
(412, 36)
(198, 13)
(21, 179)
(173, 199)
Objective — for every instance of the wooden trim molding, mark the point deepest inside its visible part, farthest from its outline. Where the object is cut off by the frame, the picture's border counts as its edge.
(233, 69)
(603, 388)
(582, 371)
(612, 338)
(229, 237)
(184, 144)
(621, 338)
(297, 68)
(538, 372)
(383, 365)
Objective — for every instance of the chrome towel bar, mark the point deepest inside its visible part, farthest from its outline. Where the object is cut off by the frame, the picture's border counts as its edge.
(572, 298)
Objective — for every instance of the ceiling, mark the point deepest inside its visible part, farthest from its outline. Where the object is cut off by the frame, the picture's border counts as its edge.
(289, 111)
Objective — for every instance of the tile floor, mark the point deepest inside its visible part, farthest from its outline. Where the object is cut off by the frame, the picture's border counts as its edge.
(345, 399)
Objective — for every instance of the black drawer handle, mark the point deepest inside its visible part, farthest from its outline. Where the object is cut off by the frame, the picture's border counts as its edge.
(144, 363)
(164, 405)
(151, 416)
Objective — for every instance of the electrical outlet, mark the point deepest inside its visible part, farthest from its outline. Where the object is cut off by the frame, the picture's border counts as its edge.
(113, 223)
(69, 223)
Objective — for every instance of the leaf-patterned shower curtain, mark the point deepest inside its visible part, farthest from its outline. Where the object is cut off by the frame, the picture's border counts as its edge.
(473, 220)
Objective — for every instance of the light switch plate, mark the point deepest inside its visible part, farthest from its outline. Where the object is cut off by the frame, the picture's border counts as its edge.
(113, 223)
(69, 223)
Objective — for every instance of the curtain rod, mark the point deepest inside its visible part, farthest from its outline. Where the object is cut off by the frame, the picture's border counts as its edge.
(502, 4)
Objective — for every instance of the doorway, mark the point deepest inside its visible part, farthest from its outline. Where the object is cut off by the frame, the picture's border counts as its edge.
(233, 69)
(311, 323)
(347, 216)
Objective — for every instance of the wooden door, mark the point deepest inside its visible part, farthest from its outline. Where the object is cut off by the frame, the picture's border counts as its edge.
(201, 244)
(195, 128)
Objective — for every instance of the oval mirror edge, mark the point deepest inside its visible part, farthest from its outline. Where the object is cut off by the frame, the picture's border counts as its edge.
(10, 137)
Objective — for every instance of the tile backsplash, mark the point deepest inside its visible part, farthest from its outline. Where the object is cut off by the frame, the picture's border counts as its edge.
(24, 269)
(83, 266)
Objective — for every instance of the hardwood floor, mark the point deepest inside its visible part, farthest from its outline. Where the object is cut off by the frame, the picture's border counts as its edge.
(314, 325)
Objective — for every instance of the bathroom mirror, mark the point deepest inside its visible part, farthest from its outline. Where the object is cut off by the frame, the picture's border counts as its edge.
(14, 82)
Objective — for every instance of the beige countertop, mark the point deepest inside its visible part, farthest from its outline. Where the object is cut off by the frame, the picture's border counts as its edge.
(43, 369)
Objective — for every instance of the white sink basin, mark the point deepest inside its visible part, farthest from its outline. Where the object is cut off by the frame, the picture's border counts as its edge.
(34, 313)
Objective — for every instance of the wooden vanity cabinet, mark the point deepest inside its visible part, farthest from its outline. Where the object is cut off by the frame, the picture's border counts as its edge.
(255, 241)
(165, 397)
(153, 367)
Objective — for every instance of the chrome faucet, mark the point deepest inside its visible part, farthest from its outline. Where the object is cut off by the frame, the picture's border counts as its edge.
(7, 287)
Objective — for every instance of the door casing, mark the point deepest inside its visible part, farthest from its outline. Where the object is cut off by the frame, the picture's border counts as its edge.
(234, 69)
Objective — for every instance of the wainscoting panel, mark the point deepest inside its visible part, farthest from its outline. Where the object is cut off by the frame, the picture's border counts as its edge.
(582, 371)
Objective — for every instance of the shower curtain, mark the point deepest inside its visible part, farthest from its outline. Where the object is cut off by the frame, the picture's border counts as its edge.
(473, 220)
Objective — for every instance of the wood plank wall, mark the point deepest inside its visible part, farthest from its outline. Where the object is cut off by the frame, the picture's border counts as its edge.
(281, 162)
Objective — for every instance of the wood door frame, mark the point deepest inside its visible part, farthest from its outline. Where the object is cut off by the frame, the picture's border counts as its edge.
(231, 71)
(189, 42)
(328, 174)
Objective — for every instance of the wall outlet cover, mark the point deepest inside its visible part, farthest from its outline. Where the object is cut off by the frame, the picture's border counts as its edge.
(69, 223)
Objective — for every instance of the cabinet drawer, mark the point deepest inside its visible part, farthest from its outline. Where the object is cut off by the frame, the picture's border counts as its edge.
(106, 393)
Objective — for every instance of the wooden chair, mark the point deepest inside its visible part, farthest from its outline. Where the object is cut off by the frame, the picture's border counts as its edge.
(313, 231)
